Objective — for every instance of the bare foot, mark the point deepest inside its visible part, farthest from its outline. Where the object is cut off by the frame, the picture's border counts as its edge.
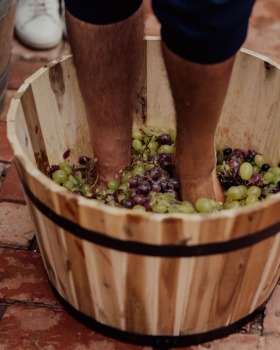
(209, 187)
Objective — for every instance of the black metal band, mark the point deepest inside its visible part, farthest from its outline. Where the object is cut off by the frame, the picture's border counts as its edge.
(158, 342)
(165, 250)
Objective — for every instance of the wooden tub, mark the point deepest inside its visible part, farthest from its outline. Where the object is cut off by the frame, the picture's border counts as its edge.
(162, 280)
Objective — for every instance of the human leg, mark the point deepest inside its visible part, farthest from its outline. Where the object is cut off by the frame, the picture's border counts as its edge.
(108, 59)
(200, 39)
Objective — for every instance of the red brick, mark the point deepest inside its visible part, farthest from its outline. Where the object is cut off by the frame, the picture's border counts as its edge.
(272, 314)
(29, 328)
(16, 226)
(6, 153)
(232, 342)
(269, 343)
(23, 278)
(11, 188)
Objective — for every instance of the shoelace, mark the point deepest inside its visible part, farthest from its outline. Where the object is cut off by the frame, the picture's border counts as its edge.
(38, 8)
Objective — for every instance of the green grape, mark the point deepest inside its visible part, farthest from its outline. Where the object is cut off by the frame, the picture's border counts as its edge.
(187, 209)
(268, 178)
(226, 205)
(139, 207)
(246, 171)
(235, 193)
(165, 149)
(86, 188)
(137, 145)
(138, 170)
(173, 134)
(113, 184)
(73, 179)
(109, 191)
(251, 199)
(153, 145)
(256, 169)
(149, 166)
(59, 176)
(234, 204)
(275, 171)
(124, 186)
(126, 177)
(254, 191)
(69, 184)
(159, 208)
(276, 180)
(203, 205)
(66, 167)
(242, 202)
(243, 190)
(78, 176)
(259, 160)
(137, 134)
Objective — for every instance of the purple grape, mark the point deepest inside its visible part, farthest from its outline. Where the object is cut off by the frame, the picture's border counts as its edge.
(84, 160)
(173, 184)
(164, 186)
(53, 168)
(66, 154)
(127, 203)
(165, 160)
(155, 187)
(164, 139)
(144, 188)
(155, 173)
(138, 199)
(133, 183)
(78, 193)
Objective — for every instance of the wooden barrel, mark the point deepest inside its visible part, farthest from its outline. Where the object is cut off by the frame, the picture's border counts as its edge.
(7, 16)
(162, 280)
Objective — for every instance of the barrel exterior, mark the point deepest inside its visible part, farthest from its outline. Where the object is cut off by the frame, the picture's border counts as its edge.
(163, 280)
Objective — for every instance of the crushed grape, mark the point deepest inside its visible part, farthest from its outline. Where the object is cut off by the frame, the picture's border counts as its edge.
(149, 183)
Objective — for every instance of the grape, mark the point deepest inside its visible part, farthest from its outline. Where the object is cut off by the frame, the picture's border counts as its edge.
(138, 170)
(251, 199)
(164, 139)
(126, 177)
(265, 167)
(139, 207)
(235, 193)
(59, 176)
(254, 191)
(268, 178)
(246, 171)
(68, 184)
(173, 135)
(113, 184)
(227, 151)
(127, 203)
(234, 204)
(66, 154)
(203, 205)
(83, 160)
(138, 199)
(66, 167)
(137, 144)
(159, 208)
(137, 134)
(165, 149)
(259, 160)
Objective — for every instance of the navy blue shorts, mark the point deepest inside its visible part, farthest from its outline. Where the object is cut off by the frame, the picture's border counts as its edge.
(202, 31)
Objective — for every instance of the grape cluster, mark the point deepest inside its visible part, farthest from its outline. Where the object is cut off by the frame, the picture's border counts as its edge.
(149, 183)
(245, 177)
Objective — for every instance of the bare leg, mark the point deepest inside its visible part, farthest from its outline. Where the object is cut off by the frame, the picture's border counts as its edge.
(108, 60)
(199, 92)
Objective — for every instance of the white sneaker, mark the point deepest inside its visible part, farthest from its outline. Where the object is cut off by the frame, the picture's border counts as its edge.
(38, 23)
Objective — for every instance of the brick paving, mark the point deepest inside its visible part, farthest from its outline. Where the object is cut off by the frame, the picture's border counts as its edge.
(30, 315)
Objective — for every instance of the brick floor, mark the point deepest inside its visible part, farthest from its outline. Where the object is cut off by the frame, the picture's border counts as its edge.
(30, 316)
